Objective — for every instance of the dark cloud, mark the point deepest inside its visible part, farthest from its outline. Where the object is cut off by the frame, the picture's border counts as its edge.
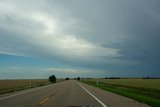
(108, 35)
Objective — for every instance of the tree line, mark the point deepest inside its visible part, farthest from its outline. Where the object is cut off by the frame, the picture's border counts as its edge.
(53, 78)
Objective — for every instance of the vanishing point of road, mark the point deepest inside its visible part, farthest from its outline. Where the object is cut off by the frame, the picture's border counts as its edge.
(66, 94)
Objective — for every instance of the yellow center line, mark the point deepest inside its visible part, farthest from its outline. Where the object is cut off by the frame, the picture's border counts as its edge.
(44, 100)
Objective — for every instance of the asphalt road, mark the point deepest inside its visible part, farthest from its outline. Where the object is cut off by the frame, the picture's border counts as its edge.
(66, 94)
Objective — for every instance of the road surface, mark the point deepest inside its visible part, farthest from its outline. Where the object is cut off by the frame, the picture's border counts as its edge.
(68, 93)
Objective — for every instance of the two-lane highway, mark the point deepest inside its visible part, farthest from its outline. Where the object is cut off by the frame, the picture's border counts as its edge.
(66, 94)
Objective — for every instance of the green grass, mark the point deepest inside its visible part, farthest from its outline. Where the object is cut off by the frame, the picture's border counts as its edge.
(149, 96)
(143, 83)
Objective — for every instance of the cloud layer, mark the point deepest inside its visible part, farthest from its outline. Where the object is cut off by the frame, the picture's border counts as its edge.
(36, 32)
(119, 34)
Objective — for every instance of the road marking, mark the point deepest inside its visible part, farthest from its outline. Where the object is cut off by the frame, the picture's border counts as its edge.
(93, 95)
(44, 100)
(24, 92)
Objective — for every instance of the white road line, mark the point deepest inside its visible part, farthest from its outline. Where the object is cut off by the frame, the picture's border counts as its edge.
(24, 92)
(93, 96)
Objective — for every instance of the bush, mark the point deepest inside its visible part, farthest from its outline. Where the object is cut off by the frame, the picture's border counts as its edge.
(67, 78)
(52, 79)
(78, 78)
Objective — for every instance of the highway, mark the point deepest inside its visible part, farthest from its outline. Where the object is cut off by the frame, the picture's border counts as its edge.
(68, 93)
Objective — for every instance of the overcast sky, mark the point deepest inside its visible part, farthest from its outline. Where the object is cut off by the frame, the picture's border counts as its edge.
(87, 38)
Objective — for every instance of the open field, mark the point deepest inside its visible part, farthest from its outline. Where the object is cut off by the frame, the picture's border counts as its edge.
(144, 83)
(15, 85)
(141, 90)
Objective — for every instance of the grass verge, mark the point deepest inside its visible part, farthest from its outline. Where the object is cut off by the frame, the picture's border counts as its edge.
(145, 95)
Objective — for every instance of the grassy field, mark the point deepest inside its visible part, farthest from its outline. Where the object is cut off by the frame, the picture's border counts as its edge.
(143, 83)
(141, 90)
(7, 86)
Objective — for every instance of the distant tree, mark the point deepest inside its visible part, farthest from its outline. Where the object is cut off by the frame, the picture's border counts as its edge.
(89, 78)
(78, 78)
(52, 79)
(112, 78)
(67, 78)
(148, 77)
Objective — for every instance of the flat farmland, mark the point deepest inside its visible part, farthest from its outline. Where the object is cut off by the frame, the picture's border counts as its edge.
(144, 83)
(7, 86)
(141, 90)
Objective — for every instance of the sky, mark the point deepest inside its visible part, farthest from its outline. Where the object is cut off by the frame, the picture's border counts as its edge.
(86, 38)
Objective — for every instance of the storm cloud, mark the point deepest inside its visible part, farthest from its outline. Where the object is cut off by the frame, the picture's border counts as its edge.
(107, 35)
